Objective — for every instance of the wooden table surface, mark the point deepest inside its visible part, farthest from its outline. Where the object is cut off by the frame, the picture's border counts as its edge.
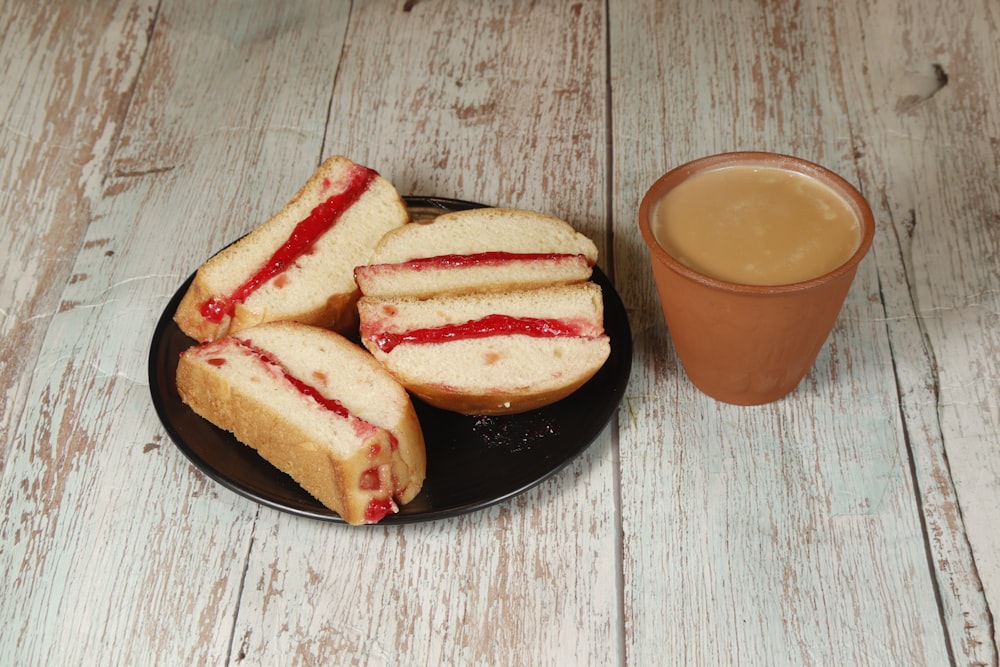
(851, 523)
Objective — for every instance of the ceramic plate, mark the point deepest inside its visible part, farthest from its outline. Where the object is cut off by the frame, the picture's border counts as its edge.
(472, 462)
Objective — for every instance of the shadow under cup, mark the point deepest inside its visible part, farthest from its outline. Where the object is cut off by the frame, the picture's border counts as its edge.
(749, 344)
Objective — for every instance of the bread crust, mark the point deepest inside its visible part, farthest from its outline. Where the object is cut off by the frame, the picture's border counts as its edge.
(483, 229)
(276, 437)
(492, 403)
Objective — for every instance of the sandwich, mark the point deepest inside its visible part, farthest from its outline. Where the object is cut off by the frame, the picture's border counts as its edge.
(477, 250)
(317, 407)
(489, 353)
(298, 265)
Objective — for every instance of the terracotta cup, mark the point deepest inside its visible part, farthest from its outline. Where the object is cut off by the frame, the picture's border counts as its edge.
(749, 344)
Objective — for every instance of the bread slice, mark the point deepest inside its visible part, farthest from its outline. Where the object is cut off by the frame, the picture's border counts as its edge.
(491, 353)
(299, 265)
(318, 408)
(477, 250)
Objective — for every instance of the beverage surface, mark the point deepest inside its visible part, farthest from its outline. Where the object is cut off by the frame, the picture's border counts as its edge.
(756, 225)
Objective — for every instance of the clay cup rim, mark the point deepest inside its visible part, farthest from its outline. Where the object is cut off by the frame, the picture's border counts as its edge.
(675, 176)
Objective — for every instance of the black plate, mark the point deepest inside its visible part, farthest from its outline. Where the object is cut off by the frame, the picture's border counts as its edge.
(472, 462)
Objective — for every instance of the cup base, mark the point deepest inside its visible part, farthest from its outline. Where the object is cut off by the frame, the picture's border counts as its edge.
(753, 392)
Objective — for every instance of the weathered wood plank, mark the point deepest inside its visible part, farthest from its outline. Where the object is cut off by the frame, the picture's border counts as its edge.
(504, 104)
(122, 553)
(66, 76)
(459, 100)
(922, 93)
(66, 72)
(786, 530)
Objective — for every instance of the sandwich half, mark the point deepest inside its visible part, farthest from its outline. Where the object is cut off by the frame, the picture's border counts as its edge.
(318, 408)
(477, 250)
(299, 265)
(489, 353)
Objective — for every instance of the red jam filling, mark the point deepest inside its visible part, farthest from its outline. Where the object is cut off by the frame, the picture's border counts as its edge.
(480, 259)
(306, 232)
(331, 404)
(377, 509)
(491, 325)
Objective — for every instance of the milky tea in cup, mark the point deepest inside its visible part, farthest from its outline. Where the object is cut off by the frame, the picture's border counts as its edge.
(753, 255)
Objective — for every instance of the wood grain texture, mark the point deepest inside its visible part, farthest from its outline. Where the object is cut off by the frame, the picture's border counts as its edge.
(113, 531)
(67, 75)
(61, 104)
(789, 530)
(851, 523)
(502, 103)
(926, 133)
